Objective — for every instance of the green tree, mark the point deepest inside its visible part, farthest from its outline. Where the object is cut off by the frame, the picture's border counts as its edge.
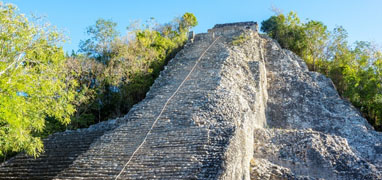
(338, 55)
(363, 81)
(187, 21)
(316, 35)
(103, 33)
(288, 31)
(33, 85)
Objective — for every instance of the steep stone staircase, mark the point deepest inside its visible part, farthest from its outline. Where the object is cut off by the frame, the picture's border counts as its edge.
(189, 141)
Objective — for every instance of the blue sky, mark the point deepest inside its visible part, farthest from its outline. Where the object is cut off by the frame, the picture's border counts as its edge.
(361, 18)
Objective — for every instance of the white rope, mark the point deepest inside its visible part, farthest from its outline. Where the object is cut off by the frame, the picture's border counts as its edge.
(165, 105)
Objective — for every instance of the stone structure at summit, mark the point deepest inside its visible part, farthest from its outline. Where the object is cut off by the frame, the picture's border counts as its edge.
(249, 110)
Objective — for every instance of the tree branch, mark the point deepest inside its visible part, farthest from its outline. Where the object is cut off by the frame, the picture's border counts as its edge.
(6, 69)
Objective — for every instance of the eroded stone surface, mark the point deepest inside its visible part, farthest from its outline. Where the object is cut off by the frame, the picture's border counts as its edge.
(313, 133)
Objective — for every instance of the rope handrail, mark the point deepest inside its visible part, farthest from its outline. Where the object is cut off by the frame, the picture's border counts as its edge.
(165, 105)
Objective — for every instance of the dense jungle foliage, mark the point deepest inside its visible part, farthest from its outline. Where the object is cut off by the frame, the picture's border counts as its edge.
(356, 70)
(43, 91)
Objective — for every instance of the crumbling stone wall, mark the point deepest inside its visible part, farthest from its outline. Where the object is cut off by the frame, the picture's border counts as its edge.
(233, 28)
